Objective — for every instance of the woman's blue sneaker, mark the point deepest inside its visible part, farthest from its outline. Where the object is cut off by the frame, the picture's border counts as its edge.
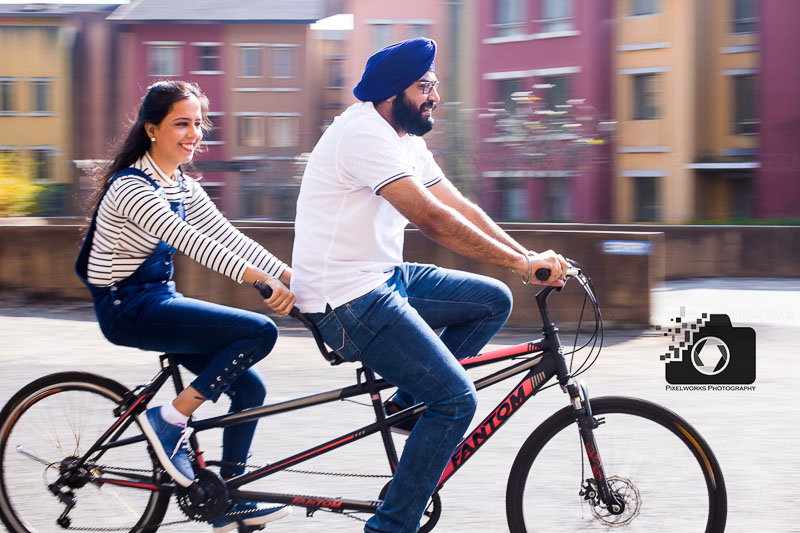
(250, 514)
(170, 443)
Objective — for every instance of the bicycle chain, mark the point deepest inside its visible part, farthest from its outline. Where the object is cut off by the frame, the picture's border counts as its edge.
(301, 471)
(227, 463)
(98, 529)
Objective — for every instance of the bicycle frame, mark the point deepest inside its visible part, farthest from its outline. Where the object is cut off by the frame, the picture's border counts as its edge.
(543, 359)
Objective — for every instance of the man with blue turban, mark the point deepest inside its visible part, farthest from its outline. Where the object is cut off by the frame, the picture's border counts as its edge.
(368, 176)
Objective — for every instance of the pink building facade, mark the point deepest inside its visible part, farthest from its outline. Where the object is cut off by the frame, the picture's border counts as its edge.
(260, 66)
(778, 178)
(551, 167)
(154, 52)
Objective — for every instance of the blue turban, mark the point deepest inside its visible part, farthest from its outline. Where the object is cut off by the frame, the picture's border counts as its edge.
(393, 69)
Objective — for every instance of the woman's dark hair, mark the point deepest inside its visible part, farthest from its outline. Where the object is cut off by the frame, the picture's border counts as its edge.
(156, 105)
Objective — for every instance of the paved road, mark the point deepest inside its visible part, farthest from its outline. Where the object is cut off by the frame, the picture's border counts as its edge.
(753, 433)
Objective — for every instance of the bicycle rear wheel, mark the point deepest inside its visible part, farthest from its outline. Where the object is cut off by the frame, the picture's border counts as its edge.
(661, 468)
(43, 428)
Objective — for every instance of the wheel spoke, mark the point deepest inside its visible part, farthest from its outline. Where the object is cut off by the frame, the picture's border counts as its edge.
(649, 466)
(44, 433)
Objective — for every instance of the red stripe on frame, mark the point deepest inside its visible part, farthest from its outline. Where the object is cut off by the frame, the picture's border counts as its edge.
(127, 484)
(519, 349)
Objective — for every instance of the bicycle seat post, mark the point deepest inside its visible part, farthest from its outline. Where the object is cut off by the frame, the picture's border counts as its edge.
(175, 371)
(380, 416)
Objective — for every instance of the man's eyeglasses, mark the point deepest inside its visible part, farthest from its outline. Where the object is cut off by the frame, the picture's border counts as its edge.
(428, 86)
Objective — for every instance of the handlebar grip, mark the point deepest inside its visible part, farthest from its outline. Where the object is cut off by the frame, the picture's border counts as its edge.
(264, 289)
(542, 274)
(266, 293)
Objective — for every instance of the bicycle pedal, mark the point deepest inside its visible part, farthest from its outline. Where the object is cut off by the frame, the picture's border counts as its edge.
(248, 529)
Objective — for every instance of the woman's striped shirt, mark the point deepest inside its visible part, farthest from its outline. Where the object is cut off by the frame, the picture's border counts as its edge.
(133, 217)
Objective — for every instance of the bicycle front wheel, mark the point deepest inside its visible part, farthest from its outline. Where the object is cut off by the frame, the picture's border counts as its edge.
(44, 428)
(658, 465)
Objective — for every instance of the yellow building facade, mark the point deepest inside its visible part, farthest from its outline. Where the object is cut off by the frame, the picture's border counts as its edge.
(35, 95)
(686, 140)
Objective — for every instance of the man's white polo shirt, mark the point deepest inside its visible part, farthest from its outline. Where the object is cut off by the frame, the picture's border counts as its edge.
(348, 238)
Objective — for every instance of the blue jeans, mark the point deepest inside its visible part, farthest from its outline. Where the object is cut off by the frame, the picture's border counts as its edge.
(220, 344)
(391, 331)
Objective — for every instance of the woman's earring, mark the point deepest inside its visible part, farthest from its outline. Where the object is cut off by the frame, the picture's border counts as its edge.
(152, 139)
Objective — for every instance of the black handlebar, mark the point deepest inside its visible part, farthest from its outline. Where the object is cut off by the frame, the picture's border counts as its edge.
(542, 274)
(266, 293)
(332, 357)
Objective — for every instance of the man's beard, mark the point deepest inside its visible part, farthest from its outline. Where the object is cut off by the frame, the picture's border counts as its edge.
(411, 119)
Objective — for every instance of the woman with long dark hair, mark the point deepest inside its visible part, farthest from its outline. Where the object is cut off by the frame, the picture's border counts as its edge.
(144, 209)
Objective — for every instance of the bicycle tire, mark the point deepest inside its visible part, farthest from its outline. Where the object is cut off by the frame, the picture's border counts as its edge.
(56, 417)
(642, 445)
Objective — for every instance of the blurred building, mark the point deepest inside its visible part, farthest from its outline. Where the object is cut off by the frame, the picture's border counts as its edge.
(41, 81)
(262, 70)
(777, 190)
(544, 74)
(685, 99)
(377, 23)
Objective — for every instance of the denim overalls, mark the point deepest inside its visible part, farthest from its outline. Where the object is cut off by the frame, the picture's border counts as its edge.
(152, 276)
(218, 343)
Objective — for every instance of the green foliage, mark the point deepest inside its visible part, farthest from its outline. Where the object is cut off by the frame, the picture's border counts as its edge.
(18, 191)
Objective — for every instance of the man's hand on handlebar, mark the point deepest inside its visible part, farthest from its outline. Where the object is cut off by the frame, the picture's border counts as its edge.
(545, 263)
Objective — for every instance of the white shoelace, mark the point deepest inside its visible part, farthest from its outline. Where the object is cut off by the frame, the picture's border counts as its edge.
(185, 434)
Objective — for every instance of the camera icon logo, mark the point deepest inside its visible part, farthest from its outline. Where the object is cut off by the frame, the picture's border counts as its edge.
(710, 351)
(710, 356)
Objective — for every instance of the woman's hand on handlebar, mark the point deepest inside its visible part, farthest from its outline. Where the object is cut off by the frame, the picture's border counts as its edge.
(282, 299)
(552, 262)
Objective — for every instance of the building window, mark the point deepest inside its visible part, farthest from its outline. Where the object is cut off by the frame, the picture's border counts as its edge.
(381, 36)
(335, 74)
(745, 16)
(557, 15)
(42, 168)
(557, 201)
(165, 61)
(250, 63)
(213, 135)
(41, 97)
(505, 88)
(559, 90)
(509, 18)
(251, 131)
(646, 93)
(645, 200)
(7, 97)
(208, 58)
(745, 119)
(644, 7)
(282, 132)
(515, 200)
(283, 63)
(417, 30)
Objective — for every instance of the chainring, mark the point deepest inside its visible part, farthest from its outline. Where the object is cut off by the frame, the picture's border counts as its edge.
(207, 501)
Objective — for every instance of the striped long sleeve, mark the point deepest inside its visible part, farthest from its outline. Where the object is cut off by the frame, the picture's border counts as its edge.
(133, 218)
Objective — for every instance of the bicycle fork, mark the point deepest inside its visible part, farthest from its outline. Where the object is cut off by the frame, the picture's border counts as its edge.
(587, 423)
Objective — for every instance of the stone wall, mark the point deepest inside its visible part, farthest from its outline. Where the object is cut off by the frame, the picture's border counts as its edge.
(38, 256)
